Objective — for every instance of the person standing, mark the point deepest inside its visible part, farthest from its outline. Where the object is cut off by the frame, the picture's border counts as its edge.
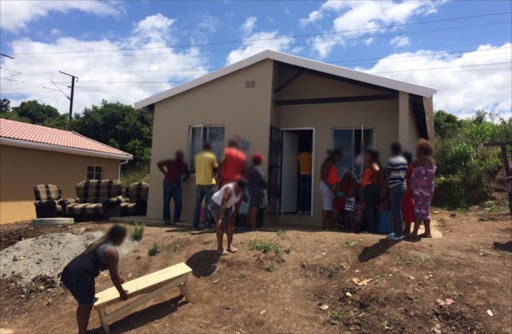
(233, 165)
(257, 186)
(305, 170)
(396, 170)
(408, 200)
(175, 172)
(328, 181)
(371, 189)
(224, 207)
(78, 276)
(422, 180)
(206, 169)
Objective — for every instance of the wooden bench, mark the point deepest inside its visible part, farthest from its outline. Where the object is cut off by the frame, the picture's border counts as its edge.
(153, 285)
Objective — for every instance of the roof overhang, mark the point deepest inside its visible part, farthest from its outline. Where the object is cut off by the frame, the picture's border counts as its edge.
(63, 149)
(372, 79)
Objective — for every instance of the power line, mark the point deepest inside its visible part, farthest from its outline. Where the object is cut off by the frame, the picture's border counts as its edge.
(271, 39)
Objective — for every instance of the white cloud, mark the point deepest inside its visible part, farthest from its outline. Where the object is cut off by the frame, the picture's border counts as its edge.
(14, 15)
(258, 42)
(249, 24)
(400, 41)
(356, 19)
(125, 76)
(462, 87)
(210, 23)
(55, 31)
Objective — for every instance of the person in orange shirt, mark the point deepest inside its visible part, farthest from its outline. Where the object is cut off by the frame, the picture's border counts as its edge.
(305, 170)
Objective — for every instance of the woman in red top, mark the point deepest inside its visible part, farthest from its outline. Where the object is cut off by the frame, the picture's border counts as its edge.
(371, 189)
(408, 199)
(328, 180)
(343, 188)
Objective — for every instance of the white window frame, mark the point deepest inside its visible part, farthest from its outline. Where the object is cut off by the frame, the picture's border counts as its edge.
(95, 172)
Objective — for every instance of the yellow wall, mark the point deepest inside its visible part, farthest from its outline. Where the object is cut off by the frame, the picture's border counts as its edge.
(22, 168)
(225, 101)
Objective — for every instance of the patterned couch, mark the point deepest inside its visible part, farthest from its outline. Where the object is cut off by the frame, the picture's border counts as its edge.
(135, 202)
(96, 199)
(47, 200)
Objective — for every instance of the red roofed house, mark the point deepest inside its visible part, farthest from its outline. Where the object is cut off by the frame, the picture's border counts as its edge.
(33, 154)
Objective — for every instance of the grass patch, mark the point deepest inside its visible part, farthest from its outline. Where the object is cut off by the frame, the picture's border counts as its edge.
(269, 268)
(287, 251)
(335, 314)
(241, 276)
(154, 250)
(390, 278)
(350, 243)
(262, 246)
(491, 207)
(137, 231)
(281, 233)
(388, 251)
(138, 257)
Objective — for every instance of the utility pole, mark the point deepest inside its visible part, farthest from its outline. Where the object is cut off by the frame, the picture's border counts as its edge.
(72, 93)
(4, 55)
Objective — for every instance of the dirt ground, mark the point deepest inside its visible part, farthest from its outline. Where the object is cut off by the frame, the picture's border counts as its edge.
(303, 284)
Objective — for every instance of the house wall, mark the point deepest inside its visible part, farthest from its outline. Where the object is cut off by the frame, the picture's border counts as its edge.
(22, 168)
(225, 101)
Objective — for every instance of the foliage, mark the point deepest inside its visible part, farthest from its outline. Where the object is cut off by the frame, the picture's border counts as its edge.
(139, 173)
(35, 113)
(154, 250)
(138, 231)
(465, 167)
(264, 247)
(269, 268)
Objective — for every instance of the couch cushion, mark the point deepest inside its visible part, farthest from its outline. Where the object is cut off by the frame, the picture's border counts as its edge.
(137, 191)
(84, 209)
(98, 191)
(128, 208)
(44, 192)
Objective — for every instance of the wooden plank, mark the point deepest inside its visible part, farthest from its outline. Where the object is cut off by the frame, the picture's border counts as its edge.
(125, 310)
(142, 284)
(341, 99)
(103, 320)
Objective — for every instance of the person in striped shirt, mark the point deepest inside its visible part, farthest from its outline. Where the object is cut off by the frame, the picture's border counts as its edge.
(396, 169)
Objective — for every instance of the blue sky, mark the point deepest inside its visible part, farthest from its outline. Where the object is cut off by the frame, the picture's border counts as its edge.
(129, 50)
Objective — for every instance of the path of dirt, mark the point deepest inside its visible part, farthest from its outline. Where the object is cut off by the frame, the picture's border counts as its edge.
(304, 284)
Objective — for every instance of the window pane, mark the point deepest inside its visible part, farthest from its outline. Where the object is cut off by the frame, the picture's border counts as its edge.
(216, 138)
(99, 173)
(343, 140)
(195, 145)
(90, 169)
(90, 176)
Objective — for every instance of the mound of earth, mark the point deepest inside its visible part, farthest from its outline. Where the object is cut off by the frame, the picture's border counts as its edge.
(47, 255)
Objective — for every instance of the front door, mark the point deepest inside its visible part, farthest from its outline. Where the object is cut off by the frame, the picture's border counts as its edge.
(290, 172)
(274, 170)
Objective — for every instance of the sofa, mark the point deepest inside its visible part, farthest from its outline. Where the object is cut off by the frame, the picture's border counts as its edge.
(47, 200)
(135, 202)
(96, 199)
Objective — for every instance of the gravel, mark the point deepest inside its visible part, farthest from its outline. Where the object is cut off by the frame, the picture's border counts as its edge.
(47, 255)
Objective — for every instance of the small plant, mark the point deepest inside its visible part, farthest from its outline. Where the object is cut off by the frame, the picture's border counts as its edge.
(491, 207)
(138, 231)
(261, 246)
(350, 243)
(335, 314)
(138, 257)
(269, 268)
(287, 251)
(241, 276)
(425, 258)
(377, 279)
(390, 278)
(135, 250)
(388, 251)
(154, 250)
(281, 233)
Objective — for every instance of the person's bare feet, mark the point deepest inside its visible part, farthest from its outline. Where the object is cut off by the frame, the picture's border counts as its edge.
(222, 252)
(232, 249)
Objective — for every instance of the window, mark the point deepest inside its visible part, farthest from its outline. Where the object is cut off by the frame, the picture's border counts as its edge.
(350, 142)
(94, 172)
(199, 135)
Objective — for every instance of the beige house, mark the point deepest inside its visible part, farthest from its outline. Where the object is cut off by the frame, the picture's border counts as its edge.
(33, 154)
(279, 103)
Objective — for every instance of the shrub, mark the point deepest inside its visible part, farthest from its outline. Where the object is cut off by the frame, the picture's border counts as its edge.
(154, 250)
(138, 231)
(269, 268)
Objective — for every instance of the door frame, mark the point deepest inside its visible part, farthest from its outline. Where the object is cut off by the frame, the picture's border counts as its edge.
(312, 160)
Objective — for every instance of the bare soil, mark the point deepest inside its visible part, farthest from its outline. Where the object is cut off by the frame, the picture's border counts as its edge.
(303, 284)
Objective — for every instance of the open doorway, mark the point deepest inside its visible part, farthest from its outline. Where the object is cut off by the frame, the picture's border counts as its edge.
(297, 178)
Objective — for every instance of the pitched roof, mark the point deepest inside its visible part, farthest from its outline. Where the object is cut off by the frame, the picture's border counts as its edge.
(41, 137)
(297, 61)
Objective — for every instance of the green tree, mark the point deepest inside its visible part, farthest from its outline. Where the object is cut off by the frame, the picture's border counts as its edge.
(120, 126)
(446, 124)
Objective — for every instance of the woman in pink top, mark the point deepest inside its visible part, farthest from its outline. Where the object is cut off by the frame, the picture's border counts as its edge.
(233, 165)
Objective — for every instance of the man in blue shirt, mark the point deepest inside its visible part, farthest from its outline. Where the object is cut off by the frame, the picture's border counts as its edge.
(396, 170)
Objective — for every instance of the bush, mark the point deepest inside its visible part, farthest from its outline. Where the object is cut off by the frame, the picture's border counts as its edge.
(154, 250)
(138, 231)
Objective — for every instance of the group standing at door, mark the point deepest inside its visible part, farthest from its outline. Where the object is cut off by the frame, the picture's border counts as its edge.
(389, 199)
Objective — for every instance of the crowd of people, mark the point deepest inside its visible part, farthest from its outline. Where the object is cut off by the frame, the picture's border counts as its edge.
(389, 199)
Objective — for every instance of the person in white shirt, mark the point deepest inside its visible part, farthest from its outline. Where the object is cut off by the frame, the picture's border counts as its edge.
(224, 207)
